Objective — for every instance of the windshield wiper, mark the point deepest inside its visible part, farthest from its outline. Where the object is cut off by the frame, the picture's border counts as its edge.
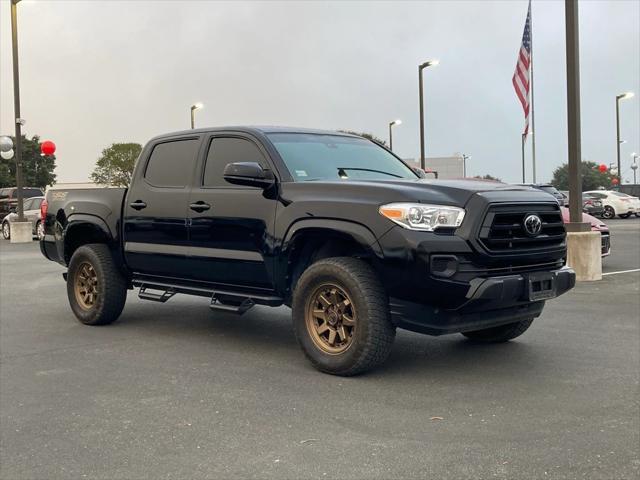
(343, 174)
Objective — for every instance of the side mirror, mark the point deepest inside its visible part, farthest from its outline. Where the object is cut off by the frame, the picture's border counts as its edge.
(421, 173)
(250, 174)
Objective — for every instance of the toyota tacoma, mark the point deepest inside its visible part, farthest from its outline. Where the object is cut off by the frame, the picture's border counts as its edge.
(330, 224)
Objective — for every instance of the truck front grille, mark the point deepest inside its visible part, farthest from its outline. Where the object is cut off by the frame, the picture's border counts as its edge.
(503, 228)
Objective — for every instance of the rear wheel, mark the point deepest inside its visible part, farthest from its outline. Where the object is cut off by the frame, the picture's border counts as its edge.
(6, 230)
(625, 215)
(341, 316)
(39, 230)
(608, 213)
(96, 289)
(500, 334)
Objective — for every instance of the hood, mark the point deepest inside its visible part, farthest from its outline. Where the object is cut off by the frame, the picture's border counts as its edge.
(441, 192)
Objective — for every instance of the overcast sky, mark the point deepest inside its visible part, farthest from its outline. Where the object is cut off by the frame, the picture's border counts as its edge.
(96, 72)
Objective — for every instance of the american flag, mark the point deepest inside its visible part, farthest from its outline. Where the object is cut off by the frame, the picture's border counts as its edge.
(521, 75)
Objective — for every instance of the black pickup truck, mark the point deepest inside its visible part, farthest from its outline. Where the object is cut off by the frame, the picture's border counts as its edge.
(330, 224)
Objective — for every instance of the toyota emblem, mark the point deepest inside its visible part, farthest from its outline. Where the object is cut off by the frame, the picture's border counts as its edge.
(532, 225)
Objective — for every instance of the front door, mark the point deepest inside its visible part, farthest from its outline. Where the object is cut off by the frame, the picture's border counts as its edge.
(231, 226)
(156, 237)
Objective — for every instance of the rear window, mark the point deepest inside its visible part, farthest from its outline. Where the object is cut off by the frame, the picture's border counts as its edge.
(619, 194)
(171, 163)
(31, 192)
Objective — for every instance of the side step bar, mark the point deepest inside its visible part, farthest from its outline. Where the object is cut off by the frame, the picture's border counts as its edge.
(221, 300)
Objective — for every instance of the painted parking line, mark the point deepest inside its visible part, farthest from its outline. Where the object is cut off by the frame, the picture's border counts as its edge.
(621, 271)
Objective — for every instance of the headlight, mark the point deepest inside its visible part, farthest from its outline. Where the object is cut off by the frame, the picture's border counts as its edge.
(419, 216)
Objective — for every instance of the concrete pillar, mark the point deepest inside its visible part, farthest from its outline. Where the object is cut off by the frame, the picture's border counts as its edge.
(584, 255)
(21, 232)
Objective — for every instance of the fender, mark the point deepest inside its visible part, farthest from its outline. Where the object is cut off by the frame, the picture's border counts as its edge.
(359, 232)
(76, 221)
(83, 218)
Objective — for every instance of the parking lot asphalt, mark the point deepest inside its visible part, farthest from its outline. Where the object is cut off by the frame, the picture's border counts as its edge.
(177, 391)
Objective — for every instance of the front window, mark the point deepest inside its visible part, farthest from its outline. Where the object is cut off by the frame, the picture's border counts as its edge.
(312, 157)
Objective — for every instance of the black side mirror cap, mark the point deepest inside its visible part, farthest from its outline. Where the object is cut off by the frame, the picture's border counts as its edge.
(249, 174)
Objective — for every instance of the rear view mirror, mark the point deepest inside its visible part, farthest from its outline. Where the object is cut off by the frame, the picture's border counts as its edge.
(249, 174)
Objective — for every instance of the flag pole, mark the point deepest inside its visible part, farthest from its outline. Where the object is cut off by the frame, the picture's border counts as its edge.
(533, 115)
(523, 174)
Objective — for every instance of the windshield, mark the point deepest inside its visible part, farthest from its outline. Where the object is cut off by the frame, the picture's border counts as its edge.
(312, 157)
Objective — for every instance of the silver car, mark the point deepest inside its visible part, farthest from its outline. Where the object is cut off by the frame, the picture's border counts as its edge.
(31, 213)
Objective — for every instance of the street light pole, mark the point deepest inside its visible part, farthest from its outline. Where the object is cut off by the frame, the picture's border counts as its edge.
(194, 107)
(634, 166)
(16, 107)
(622, 96)
(395, 122)
(421, 93)
(465, 157)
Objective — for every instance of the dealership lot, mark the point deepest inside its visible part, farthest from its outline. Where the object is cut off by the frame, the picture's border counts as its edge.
(177, 391)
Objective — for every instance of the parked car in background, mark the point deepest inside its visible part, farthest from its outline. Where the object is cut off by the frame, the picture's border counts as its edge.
(592, 205)
(9, 197)
(31, 214)
(635, 202)
(597, 225)
(550, 189)
(615, 203)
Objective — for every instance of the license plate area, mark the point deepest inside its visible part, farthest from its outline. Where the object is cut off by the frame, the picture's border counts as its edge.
(542, 286)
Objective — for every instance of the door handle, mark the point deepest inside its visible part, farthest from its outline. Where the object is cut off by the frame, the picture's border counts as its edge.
(199, 206)
(138, 205)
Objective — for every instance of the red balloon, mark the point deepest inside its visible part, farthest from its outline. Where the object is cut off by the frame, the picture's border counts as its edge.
(602, 167)
(48, 147)
(615, 181)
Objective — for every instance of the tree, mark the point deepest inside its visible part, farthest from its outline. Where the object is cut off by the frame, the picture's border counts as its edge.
(368, 136)
(592, 177)
(488, 177)
(37, 171)
(115, 165)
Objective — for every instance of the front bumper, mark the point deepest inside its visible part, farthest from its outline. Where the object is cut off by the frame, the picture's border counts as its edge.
(489, 302)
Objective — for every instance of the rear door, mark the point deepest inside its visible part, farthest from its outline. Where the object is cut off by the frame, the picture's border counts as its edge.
(155, 211)
(231, 226)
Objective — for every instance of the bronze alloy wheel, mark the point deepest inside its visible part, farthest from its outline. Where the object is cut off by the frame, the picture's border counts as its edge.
(86, 286)
(331, 319)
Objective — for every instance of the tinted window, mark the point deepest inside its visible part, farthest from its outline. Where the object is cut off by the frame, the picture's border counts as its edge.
(31, 192)
(26, 205)
(171, 163)
(4, 193)
(335, 157)
(225, 150)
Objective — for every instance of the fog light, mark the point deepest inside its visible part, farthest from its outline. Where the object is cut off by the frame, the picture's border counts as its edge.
(444, 266)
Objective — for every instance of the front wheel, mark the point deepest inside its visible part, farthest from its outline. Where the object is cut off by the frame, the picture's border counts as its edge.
(608, 213)
(500, 334)
(341, 316)
(97, 290)
(6, 230)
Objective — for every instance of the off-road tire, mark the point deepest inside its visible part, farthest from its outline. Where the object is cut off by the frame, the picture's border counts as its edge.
(500, 334)
(374, 333)
(6, 230)
(111, 285)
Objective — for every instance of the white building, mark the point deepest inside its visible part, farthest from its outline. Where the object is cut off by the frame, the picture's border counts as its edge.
(447, 167)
